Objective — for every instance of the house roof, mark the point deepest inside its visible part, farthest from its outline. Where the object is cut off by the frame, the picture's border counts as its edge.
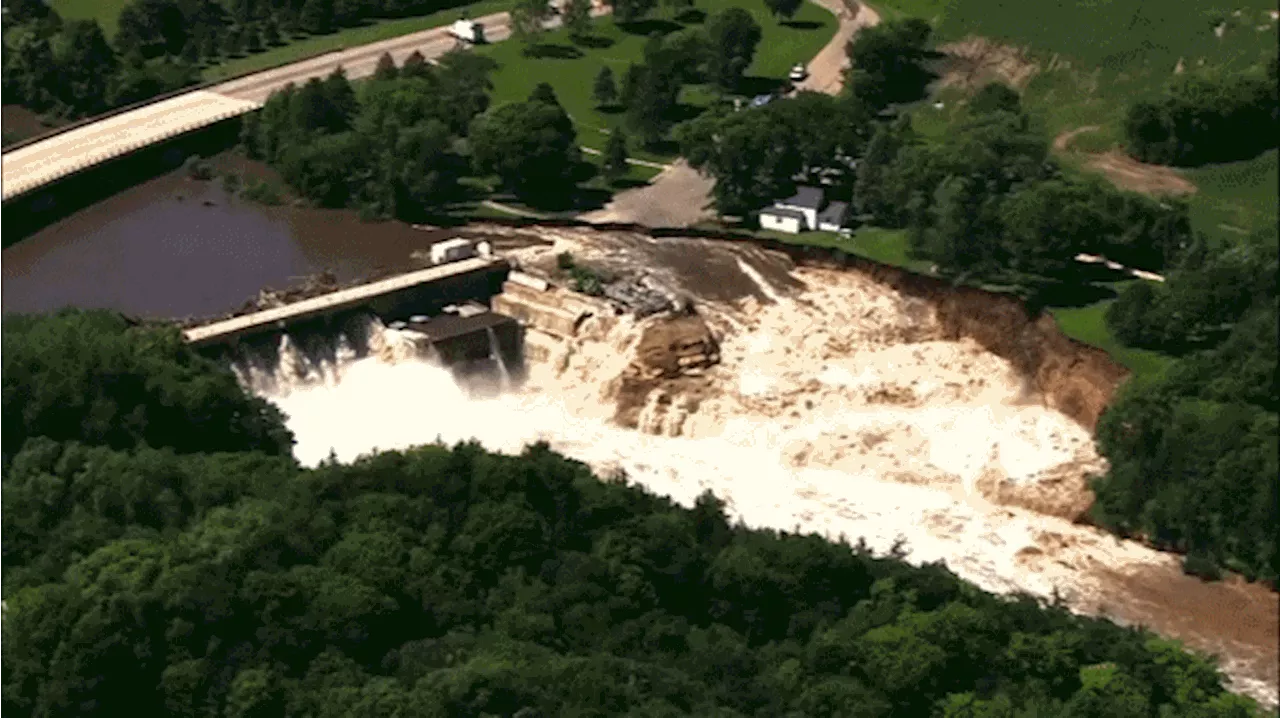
(834, 213)
(806, 197)
(784, 213)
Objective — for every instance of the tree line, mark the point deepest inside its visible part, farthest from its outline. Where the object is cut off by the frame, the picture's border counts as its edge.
(150, 577)
(1193, 451)
(67, 68)
(1205, 117)
(70, 69)
(399, 146)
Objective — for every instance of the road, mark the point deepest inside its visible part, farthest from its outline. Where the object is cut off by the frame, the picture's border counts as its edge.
(359, 61)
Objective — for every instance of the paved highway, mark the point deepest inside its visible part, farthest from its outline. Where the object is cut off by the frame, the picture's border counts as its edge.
(359, 61)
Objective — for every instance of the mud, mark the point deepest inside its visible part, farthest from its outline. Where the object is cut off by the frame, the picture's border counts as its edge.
(976, 61)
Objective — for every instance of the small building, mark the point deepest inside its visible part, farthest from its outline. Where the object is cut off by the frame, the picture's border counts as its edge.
(468, 31)
(782, 220)
(807, 210)
(834, 217)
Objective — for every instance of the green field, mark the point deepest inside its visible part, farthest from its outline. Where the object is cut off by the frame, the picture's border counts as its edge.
(1236, 198)
(1115, 51)
(1088, 324)
(104, 11)
(572, 78)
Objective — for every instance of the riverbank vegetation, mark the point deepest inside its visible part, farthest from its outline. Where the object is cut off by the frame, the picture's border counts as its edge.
(146, 577)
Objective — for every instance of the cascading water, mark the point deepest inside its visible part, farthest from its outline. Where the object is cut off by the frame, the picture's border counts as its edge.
(495, 354)
(843, 414)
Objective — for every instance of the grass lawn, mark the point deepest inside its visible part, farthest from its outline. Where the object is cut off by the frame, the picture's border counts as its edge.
(573, 69)
(887, 246)
(301, 49)
(1236, 198)
(104, 11)
(1088, 324)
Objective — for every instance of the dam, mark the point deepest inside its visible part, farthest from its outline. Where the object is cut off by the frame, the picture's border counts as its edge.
(469, 313)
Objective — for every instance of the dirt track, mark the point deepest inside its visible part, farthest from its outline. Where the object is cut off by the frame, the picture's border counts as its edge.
(1126, 172)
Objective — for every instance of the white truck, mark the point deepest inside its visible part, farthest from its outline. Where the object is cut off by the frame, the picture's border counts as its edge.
(452, 250)
(468, 31)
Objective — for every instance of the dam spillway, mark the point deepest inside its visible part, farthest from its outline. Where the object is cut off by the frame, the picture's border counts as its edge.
(420, 292)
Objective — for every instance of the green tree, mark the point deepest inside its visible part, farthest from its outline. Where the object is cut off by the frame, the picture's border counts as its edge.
(526, 145)
(629, 11)
(604, 91)
(85, 65)
(783, 9)
(995, 97)
(577, 18)
(886, 62)
(386, 69)
(615, 156)
(732, 37)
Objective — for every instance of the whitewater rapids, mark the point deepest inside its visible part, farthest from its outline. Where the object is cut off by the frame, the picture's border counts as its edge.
(836, 409)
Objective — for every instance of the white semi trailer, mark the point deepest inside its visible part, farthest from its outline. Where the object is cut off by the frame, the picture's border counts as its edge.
(468, 31)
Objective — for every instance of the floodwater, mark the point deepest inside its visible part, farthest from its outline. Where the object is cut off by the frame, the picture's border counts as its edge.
(175, 247)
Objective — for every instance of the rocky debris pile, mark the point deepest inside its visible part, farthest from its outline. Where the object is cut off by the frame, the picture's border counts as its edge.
(639, 296)
(669, 361)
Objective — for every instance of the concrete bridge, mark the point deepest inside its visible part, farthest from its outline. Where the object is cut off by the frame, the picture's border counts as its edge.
(420, 292)
(84, 145)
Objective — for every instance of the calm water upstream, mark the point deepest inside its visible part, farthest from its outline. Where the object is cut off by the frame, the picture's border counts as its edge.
(176, 247)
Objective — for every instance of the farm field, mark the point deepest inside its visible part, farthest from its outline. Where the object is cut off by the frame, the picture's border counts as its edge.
(571, 69)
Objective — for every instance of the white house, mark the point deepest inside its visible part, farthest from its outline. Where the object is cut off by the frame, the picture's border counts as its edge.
(807, 210)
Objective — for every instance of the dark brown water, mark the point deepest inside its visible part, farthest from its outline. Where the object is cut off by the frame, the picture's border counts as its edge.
(176, 247)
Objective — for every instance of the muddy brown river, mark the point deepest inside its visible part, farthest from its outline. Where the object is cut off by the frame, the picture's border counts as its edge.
(177, 247)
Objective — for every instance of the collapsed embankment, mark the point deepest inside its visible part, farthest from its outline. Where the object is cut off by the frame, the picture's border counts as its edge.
(1074, 378)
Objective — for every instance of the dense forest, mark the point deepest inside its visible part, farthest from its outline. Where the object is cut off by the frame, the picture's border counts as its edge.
(1193, 451)
(196, 571)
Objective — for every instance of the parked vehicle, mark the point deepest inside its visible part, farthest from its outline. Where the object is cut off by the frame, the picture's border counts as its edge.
(468, 31)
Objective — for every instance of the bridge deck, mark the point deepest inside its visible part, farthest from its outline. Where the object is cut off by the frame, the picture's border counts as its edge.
(34, 165)
(336, 300)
